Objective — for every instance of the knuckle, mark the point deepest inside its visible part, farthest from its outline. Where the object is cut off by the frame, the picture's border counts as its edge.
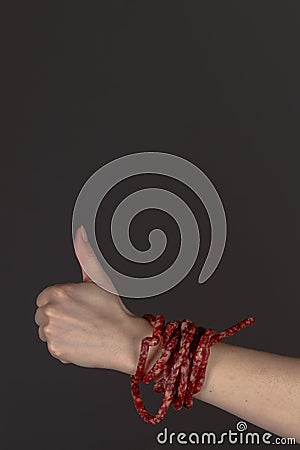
(48, 293)
(91, 254)
(58, 291)
(36, 317)
(37, 300)
(53, 350)
(47, 330)
(62, 291)
(49, 310)
(41, 298)
(41, 334)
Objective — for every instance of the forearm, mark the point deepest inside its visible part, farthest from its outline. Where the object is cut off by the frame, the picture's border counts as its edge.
(262, 388)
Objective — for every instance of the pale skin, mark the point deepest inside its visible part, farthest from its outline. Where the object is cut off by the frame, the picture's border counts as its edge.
(83, 324)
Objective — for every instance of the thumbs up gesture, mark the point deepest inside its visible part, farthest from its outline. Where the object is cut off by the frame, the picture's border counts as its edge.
(84, 324)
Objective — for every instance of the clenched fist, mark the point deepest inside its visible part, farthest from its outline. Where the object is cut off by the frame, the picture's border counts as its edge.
(86, 325)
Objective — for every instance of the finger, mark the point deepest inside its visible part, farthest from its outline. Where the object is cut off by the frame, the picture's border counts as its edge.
(42, 298)
(90, 265)
(40, 317)
(42, 335)
(83, 237)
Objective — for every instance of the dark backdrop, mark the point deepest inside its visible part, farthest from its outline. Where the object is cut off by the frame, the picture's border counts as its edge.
(87, 82)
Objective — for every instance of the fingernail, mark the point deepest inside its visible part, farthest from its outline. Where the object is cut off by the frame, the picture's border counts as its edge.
(83, 234)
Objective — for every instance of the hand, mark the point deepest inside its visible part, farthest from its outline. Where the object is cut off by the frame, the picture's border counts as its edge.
(86, 325)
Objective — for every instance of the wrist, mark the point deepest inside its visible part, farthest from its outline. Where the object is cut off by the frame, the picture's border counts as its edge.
(138, 329)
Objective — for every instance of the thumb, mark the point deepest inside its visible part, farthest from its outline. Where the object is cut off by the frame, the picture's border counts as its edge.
(92, 270)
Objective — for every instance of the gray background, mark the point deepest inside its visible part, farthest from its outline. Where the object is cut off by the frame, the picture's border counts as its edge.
(214, 82)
